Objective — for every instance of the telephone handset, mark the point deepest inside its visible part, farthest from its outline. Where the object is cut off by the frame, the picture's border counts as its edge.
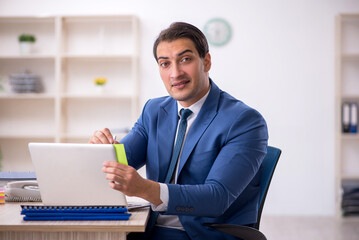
(22, 191)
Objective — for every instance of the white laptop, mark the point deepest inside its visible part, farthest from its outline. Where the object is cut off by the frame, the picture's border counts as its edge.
(70, 174)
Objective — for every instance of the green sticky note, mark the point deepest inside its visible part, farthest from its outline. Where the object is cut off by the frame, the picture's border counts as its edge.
(120, 153)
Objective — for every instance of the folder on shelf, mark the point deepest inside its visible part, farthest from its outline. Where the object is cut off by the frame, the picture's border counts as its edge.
(353, 118)
(345, 117)
(66, 213)
(350, 117)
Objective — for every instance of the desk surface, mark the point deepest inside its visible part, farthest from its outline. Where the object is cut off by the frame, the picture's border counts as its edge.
(11, 220)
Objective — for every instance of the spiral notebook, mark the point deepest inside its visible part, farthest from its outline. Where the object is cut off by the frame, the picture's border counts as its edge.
(71, 213)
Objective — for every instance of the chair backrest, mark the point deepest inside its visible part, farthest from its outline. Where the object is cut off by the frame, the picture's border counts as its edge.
(268, 166)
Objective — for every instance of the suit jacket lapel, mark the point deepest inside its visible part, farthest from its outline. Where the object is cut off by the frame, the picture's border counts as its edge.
(203, 120)
(166, 126)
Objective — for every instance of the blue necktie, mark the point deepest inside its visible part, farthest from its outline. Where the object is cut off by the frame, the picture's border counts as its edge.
(179, 142)
(176, 151)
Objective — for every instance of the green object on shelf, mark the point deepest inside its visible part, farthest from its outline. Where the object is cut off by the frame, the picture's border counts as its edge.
(27, 38)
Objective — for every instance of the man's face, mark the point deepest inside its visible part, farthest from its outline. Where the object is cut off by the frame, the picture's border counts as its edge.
(183, 72)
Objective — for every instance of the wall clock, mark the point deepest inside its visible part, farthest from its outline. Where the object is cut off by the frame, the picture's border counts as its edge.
(218, 31)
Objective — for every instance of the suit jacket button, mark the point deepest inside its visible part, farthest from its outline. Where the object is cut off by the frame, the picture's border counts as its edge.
(178, 209)
(191, 209)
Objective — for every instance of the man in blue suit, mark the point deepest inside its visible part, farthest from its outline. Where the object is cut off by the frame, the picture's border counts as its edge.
(215, 154)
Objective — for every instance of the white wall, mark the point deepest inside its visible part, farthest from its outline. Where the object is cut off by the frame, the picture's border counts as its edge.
(280, 61)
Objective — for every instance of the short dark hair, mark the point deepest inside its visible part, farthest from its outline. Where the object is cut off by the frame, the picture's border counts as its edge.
(179, 30)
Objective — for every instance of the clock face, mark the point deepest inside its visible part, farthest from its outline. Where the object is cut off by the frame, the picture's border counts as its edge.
(218, 31)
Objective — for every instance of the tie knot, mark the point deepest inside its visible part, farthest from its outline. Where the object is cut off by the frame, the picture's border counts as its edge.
(185, 113)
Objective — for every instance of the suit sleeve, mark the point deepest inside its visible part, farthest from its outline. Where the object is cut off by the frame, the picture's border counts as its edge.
(135, 142)
(234, 167)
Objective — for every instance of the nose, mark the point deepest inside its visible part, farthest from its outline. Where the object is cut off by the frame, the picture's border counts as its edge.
(176, 71)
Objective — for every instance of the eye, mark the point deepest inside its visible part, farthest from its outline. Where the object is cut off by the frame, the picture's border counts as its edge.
(163, 64)
(186, 59)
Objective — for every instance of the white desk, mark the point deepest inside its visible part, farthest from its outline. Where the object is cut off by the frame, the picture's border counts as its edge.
(12, 226)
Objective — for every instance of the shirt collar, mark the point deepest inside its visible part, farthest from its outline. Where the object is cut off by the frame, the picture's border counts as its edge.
(196, 107)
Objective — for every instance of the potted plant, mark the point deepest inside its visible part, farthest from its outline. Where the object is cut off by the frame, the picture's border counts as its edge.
(100, 83)
(26, 43)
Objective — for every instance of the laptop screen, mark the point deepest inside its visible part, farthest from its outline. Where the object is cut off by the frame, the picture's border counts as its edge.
(70, 174)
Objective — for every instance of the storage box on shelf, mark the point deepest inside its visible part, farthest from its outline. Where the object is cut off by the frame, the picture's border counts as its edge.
(347, 94)
(69, 53)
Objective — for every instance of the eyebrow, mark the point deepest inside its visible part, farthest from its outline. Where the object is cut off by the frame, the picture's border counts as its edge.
(178, 55)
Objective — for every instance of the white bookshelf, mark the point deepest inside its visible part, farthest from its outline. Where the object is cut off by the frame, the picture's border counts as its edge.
(347, 90)
(70, 51)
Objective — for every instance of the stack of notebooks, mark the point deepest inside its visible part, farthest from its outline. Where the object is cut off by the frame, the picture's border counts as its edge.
(25, 82)
(350, 198)
(2, 195)
(64, 213)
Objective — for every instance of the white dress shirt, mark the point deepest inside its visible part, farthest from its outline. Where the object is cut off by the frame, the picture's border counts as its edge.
(172, 221)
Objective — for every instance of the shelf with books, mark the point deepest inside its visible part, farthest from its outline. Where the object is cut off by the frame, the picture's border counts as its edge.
(347, 101)
(44, 68)
(69, 53)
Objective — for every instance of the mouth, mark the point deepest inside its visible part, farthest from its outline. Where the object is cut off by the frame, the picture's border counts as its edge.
(180, 84)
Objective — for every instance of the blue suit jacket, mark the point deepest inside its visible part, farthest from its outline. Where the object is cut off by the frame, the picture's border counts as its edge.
(223, 151)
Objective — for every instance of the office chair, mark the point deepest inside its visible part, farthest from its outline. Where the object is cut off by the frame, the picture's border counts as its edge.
(253, 233)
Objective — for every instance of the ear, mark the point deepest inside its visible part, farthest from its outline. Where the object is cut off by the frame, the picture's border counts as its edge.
(207, 62)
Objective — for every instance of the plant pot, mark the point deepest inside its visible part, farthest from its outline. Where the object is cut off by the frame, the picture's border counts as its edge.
(100, 89)
(26, 47)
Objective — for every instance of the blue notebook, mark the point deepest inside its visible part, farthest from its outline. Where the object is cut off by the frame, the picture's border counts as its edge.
(64, 213)
(16, 176)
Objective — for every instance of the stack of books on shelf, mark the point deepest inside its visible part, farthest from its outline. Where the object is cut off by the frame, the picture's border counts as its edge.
(350, 198)
(26, 82)
(65, 213)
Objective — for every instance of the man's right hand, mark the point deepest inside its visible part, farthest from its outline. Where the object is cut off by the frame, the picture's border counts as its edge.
(102, 137)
